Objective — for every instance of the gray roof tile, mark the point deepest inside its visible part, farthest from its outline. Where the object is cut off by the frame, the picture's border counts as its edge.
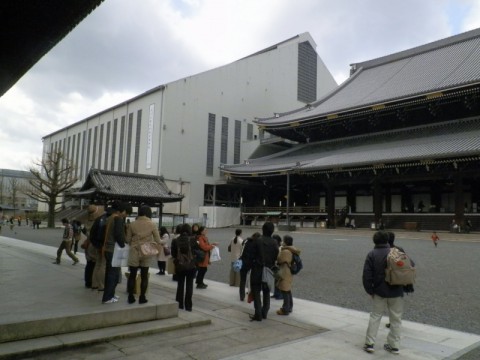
(440, 141)
(126, 186)
(442, 65)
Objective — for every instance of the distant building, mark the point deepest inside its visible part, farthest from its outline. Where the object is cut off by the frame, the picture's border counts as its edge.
(185, 130)
(396, 144)
(13, 200)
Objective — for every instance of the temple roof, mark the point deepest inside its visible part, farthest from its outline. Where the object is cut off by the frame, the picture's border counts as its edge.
(424, 71)
(450, 141)
(135, 188)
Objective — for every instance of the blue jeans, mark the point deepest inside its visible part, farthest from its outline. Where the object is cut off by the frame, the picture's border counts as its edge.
(287, 301)
(111, 277)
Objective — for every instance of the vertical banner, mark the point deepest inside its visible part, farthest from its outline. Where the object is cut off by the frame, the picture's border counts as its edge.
(150, 136)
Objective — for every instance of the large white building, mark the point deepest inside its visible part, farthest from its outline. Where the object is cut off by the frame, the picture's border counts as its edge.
(186, 129)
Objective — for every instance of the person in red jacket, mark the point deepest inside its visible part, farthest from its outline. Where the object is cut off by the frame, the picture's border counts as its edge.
(435, 238)
(202, 266)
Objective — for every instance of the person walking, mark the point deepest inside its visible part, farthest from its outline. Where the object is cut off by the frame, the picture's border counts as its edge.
(141, 231)
(435, 239)
(114, 233)
(284, 261)
(265, 254)
(383, 296)
(185, 270)
(66, 243)
(202, 266)
(235, 249)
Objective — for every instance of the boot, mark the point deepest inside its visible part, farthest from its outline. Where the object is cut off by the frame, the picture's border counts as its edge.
(131, 299)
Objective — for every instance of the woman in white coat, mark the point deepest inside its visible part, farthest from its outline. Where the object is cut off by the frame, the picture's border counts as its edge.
(161, 257)
(235, 249)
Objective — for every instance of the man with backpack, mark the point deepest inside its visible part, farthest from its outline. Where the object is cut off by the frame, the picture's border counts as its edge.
(383, 295)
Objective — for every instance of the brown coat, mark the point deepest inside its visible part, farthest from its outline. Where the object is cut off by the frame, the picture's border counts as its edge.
(284, 261)
(141, 231)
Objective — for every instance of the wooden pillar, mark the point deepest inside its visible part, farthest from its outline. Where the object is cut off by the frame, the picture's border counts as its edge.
(377, 200)
(352, 199)
(459, 199)
(388, 198)
(330, 199)
(435, 197)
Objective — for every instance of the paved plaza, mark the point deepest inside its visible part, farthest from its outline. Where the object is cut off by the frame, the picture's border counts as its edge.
(330, 312)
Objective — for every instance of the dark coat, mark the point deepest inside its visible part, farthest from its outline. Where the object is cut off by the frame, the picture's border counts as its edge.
(374, 274)
(248, 254)
(265, 254)
(115, 233)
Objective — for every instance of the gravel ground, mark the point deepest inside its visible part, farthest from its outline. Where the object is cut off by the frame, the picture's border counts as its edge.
(446, 293)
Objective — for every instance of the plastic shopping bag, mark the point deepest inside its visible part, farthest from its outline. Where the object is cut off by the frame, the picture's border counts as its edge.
(120, 255)
(215, 254)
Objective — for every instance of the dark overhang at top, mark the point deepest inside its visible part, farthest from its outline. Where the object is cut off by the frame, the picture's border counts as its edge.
(432, 75)
(30, 28)
(104, 185)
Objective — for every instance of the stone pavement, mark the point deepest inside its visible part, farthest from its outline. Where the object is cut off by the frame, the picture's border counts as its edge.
(33, 289)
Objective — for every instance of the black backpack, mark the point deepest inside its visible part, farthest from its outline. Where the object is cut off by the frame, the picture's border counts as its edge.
(184, 260)
(97, 232)
(296, 265)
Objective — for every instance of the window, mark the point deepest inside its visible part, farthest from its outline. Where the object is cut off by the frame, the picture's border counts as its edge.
(114, 144)
(224, 141)
(307, 73)
(129, 141)
(82, 161)
(107, 145)
(237, 141)
(249, 131)
(137, 141)
(94, 150)
(77, 154)
(74, 162)
(89, 144)
(100, 148)
(121, 141)
(210, 143)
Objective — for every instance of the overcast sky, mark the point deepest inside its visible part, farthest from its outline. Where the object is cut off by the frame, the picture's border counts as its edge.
(126, 47)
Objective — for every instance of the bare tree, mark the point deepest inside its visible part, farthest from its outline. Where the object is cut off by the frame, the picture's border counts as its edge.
(1, 189)
(52, 177)
(14, 187)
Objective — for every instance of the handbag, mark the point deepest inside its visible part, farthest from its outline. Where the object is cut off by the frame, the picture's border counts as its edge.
(85, 244)
(268, 277)
(237, 265)
(166, 251)
(120, 255)
(149, 249)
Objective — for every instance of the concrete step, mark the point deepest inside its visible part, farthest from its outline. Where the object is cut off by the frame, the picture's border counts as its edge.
(96, 316)
(32, 347)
